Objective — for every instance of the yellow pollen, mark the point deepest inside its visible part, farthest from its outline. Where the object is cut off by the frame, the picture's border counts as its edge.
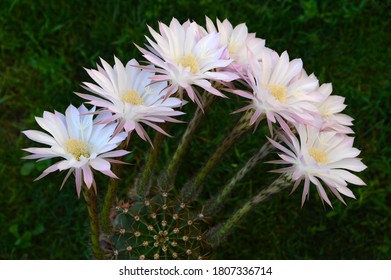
(132, 97)
(232, 49)
(190, 61)
(279, 92)
(318, 155)
(77, 148)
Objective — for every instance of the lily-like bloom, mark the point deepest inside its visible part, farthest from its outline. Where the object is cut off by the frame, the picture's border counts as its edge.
(277, 92)
(330, 112)
(127, 92)
(321, 158)
(239, 43)
(185, 58)
(82, 144)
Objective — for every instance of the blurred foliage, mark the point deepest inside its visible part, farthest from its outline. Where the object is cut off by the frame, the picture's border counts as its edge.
(44, 46)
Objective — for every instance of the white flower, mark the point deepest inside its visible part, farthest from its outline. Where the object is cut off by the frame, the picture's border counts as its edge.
(82, 144)
(239, 43)
(127, 92)
(276, 90)
(186, 58)
(330, 111)
(321, 158)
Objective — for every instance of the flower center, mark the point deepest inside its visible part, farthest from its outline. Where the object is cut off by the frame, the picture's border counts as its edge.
(190, 61)
(77, 148)
(232, 49)
(132, 97)
(318, 155)
(279, 92)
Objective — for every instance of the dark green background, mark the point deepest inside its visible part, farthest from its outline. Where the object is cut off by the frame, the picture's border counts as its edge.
(44, 46)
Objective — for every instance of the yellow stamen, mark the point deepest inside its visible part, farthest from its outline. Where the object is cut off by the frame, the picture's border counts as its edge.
(190, 61)
(279, 92)
(77, 148)
(232, 49)
(132, 97)
(318, 155)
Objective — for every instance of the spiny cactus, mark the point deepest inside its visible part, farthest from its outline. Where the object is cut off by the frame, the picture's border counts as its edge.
(159, 226)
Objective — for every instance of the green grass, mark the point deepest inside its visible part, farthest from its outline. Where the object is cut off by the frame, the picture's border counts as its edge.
(44, 46)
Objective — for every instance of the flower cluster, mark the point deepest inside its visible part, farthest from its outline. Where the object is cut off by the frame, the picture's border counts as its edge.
(190, 59)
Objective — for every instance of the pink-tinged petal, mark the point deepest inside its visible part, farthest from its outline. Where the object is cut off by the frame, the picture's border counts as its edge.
(117, 153)
(282, 170)
(100, 164)
(349, 177)
(121, 126)
(305, 191)
(66, 177)
(54, 126)
(72, 116)
(295, 67)
(287, 158)
(110, 73)
(88, 176)
(121, 74)
(42, 153)
(40, 156)
(337, 195)
(117, 161)
(156, 127)
(65, 164)
(142, 133)
(280, 147)
(320, 190)
(297, 174)
(128, 126)
(243, 93)
(341, 153)
(255, 117)
(173, 103)
(245, 108)
(108, 119)
(47, 171)
(297, 183)
(269, 124)
(95, 100)
(208, 87)
(353, 164)
(101, 79)
(78, 180)
(109, 173)
(280, 69)
(345, 191)
(40, 137)
(222, 76)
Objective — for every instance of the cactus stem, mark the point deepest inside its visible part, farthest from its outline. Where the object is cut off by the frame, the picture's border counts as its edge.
(143, 184)
(172, 168)
(191, 189)
(213, 205)
(280, 184)
(111, 193)
(92, 207)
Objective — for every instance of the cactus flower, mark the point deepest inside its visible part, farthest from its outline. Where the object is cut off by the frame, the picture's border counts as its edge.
(82, 143)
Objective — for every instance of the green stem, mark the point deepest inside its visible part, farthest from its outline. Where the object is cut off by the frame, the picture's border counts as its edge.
(173, 166)
(92, 207)
(280, 184)
(111, 194)
(142, 186)
(191, 189)
(214, 204)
